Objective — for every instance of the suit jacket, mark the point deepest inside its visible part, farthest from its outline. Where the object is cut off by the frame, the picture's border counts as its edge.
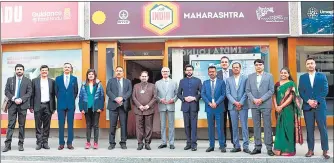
(25, 92)
(264, 92)
(318, 92)
(190, 87)
(35, 100)
(66, 96)
(220, 74)
(233, 94)
(112, 93)
(219, 95)
(167, 93)
(142, 99)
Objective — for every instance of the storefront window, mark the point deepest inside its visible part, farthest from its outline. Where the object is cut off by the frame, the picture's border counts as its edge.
(203, 57)
(324, 58)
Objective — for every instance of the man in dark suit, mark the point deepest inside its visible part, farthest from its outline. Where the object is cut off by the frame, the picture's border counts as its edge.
(213, 94)
(18, 91)
(119, 92)
(189, 93)
(313, 89)
(43, 103)
(66, 89)
(223, 75)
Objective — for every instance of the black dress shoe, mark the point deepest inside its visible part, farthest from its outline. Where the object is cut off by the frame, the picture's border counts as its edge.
(140, 147)
(70, 147)
(194, 149)
(38, 146)
(162, 146)
(7, 148)
(187, 147)
(210, 149)
(172, 147)
(234, 150)
(223, 150)
(255, 151)
(123, 146)
(61, 147)
(21, 147)
(270, 153)
(147, 147)
(46, 146)
(246, 150)
(111, 147)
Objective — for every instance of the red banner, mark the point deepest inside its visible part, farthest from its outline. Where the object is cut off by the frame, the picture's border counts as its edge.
(39, 19)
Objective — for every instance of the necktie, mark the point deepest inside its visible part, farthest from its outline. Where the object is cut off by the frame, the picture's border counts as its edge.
(212, 88)
(66, 82)
(120, 90)
(18, 88)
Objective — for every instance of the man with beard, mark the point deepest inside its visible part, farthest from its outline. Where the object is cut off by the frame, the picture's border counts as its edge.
(313, 89)
(44, 105)
(119, 92)
(223, 75)
(189, 93)
(143, 97)
(18, 91)
(66, 91)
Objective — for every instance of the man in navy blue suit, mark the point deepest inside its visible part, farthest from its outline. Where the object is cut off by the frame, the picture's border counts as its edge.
(213, 94)
(313, 89)
(66, 93)
(189, 93)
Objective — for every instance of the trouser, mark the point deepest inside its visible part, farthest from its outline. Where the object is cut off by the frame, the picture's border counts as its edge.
(13, 112)
(123, 118)
(190, 127)
(92, 122)
(268, 138)
(243, 116)
(171, 130)
(43, 118)
(62, 114)
(144, 126)
(226, 114)
(212, 118)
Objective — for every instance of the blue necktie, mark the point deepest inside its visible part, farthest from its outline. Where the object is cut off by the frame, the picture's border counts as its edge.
(18, 88)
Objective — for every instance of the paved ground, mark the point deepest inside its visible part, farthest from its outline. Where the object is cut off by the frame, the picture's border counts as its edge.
(82, 155)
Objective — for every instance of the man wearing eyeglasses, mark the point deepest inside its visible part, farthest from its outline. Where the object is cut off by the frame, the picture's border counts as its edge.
(223, 75)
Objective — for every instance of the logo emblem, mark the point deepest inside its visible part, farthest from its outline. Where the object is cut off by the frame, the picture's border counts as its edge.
(312, 12)
(123, 15)
(161, 17)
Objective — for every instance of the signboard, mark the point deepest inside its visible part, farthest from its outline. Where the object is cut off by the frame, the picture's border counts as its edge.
(20, 20)
(173, 19)
(32, 61)
(317, 18)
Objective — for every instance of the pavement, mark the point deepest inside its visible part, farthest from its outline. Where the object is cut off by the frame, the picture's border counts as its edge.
(131, 155)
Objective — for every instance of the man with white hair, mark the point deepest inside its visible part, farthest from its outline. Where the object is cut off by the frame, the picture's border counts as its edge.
(166, 94)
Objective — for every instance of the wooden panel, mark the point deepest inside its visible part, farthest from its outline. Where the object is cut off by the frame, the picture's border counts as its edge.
(84, 45)
(143, 57)
(143, 46)
(314, 41)
(292, 57)
(216, 42)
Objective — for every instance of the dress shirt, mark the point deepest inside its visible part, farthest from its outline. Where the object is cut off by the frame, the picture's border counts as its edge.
(45, 96)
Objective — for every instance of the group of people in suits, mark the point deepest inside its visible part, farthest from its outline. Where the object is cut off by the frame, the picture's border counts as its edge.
(227, 93)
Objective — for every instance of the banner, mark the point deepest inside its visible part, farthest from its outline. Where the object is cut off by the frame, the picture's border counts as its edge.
(32, 61)
(168, 19)
(317, 18)
(39, 19)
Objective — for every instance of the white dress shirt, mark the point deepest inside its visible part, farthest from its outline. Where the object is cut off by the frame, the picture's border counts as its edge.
(237, 78)
(45, 96)
(214, 81)
(258, 79)
(311, 76)
(121, 82)
(226, 74)
(16, 87)
(69, 77)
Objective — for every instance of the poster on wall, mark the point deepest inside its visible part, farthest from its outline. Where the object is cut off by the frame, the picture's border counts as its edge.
(202, 62)
(32, 61)
(317, 18)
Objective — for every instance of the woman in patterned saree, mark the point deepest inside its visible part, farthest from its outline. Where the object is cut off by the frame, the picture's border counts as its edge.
(287, 103)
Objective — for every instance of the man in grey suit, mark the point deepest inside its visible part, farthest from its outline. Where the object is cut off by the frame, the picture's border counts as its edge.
(43, 102)
(166, 91)
(18, 91)
(236, 94)
(259, 89)
(223, 75)
(119, 92)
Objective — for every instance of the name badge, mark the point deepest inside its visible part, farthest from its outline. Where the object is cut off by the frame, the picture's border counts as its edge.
(142, 91)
